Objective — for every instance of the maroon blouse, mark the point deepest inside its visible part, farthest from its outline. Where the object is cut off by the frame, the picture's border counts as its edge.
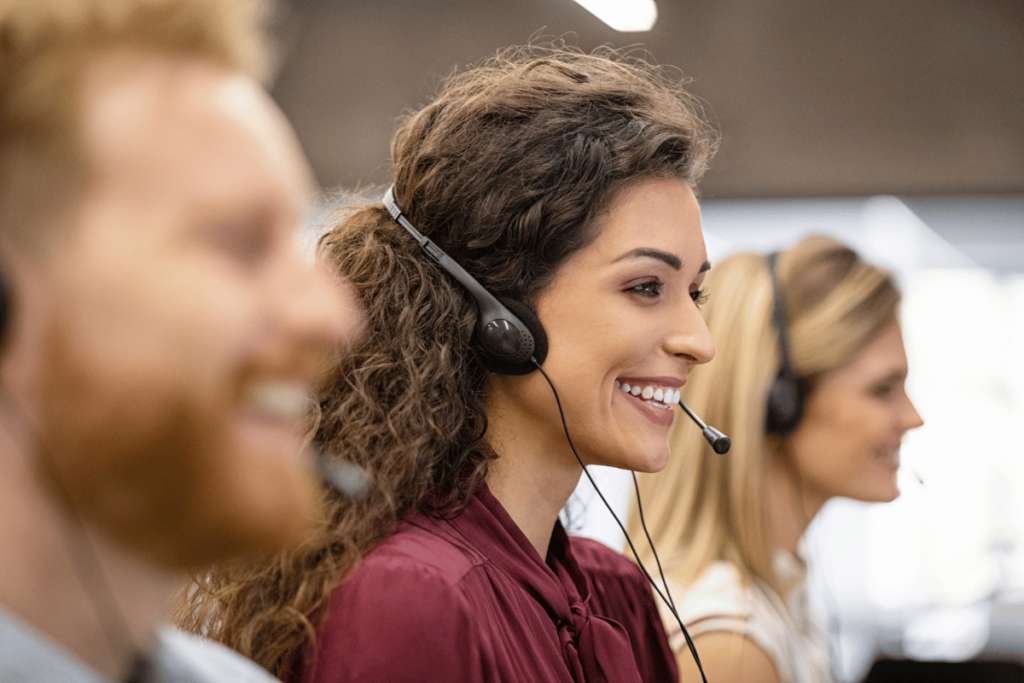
(469, 599)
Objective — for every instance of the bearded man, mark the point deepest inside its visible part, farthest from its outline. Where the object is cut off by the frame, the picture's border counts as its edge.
(162, 330)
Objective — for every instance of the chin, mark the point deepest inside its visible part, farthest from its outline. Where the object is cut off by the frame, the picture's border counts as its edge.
(890, 496)
(653, 460)
(885, 493)
(264, 504)
(248, 505)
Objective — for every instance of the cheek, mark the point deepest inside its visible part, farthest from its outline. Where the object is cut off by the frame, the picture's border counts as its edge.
(824, 439)
(137, 407)
(836, 451)
(128, 460)
(161, 468)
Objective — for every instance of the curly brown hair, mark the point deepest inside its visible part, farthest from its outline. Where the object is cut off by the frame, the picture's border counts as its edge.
(506, 171)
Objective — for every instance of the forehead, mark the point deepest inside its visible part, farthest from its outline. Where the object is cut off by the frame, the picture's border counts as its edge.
(657, 214)
(883, 357)
(165, 124)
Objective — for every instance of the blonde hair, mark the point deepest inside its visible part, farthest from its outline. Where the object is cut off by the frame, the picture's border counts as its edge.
(46, 47)
(705, 506)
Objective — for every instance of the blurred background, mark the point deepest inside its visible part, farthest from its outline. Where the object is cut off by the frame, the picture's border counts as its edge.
(895, 126)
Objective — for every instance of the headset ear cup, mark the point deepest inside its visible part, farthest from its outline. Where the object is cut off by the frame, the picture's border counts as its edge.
(785, 404)
(532, 324)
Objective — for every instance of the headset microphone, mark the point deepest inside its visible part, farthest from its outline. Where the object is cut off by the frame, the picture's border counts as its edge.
(344, 476)
(720, 443)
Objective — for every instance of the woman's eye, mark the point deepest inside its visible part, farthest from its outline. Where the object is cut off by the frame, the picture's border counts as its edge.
(699, 296)
(884, 391)
(650, 289)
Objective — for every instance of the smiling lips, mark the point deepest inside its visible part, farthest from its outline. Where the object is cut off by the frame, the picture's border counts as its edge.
(657, 396)
(888, 456)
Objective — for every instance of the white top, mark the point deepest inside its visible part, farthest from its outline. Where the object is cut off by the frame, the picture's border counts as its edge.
(784, 629)
(28, 656)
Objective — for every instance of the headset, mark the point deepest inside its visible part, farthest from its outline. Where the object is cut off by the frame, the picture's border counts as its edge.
(785, 404)
(508, 334)
(510, 340)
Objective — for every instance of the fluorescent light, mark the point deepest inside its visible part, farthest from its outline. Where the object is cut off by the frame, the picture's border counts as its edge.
(624, 15)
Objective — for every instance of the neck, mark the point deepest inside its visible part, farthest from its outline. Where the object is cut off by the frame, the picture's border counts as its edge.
(791, 503)
(97, 600)
(533, 476)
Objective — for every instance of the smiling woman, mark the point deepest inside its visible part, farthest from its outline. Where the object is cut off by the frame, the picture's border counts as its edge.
(622, 310)
(564, 183)
(811, 388)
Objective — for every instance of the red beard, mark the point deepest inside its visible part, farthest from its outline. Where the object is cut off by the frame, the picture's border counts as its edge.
(146, 454)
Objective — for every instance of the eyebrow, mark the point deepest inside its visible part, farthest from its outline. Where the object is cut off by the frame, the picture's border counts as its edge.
(898, 375)
(671, 259)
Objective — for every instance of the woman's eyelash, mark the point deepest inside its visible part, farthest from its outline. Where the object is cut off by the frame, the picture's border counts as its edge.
(883, 390)
(650, 288)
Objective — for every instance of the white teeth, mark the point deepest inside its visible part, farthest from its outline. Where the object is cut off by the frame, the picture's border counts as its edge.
(286, 400)
(617, 385)
(661, 395)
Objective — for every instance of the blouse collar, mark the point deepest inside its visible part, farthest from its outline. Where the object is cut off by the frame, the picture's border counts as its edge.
(594, 647)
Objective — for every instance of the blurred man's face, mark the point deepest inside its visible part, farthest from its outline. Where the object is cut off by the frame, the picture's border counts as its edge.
(184, 324)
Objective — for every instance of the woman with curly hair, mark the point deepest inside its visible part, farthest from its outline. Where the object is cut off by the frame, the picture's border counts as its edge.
(564, 184)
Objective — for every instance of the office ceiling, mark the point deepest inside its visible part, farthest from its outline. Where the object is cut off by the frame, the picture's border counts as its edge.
(813, 98)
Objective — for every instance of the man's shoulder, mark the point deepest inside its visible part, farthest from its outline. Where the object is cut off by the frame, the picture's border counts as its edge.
(185, 658)
(28, 655)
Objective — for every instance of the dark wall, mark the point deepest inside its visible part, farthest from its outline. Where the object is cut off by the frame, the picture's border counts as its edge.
(812, 97)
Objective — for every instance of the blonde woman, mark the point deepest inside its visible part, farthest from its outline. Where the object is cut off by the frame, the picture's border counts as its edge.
(809, 383)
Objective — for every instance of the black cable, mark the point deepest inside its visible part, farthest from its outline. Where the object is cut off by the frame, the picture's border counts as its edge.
(650, 542)
(629, 541)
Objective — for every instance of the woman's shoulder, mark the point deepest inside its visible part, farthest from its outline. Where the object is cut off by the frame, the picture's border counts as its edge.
(717, 600)
(420, 547)
(400, 613)
(597, 559)
(721, 578)
(590, 551)
(617, 582)
(419, 568)
(724, 610)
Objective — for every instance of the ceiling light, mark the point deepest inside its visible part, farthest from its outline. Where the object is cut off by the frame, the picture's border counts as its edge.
(624, 15)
